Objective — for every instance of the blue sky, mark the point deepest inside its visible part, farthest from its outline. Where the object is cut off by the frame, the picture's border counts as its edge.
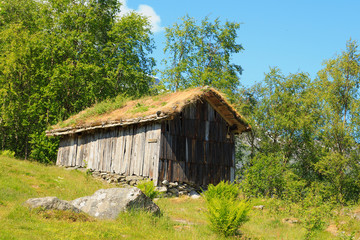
(292, 35)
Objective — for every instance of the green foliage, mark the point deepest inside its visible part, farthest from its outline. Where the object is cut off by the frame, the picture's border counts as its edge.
(59, 57)
(304, 132)
(44, 149)
(97, 109)
(265, 177)
(314, 211)
(222, 190)
(227, 215)
(225, 212)
(148, 188)
(199, 54)
(139, 107)
(7, 153)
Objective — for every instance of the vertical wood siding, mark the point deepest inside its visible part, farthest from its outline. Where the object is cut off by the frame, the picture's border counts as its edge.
(197, 146)
(133, 150)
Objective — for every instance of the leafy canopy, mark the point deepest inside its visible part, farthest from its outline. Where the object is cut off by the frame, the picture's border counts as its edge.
(199, 54)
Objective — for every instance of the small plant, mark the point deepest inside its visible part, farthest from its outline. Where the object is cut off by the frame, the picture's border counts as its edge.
(148, 188)
(315, 211)
(7, 153)
(226, 212)
(222, 190)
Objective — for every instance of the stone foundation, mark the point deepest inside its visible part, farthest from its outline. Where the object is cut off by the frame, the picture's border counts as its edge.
(166, 188)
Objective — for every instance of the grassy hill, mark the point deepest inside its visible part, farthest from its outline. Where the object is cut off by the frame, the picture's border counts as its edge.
(183, 218)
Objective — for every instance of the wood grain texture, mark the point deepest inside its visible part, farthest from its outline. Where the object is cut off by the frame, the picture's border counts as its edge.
(195, 147)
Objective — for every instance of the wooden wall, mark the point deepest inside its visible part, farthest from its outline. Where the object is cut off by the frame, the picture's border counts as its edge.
(133, 150)
(197, 147)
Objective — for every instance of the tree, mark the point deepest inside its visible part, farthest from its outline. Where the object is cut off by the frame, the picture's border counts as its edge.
(339, 133)
(58, 57)
(311, 126)
(283, 113)
(199, 54)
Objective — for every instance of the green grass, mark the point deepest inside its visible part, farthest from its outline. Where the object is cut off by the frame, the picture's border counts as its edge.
(97, 109)
(182, 218)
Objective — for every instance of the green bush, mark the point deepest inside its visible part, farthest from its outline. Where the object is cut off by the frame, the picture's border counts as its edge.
(7, 153)
(148, 188)
(44, 149)
(265, 177)
(221, 190)
(226, 212)
(226, 215)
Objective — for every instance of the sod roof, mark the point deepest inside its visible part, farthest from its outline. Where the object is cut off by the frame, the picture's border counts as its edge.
(150, 108)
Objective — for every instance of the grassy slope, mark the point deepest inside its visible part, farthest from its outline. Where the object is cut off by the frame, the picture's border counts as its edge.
(183, 218)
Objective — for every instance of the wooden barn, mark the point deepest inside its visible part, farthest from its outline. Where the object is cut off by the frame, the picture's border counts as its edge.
(186, 136)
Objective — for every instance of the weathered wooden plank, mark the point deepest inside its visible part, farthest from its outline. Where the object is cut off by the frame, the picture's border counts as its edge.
(164, 170)
(72, 151)
(84, 155)
(168, 140)
(66, 152)
(193, 172)
(151, 143)
(193, 150)
(210, 111)
(62, 145)
(79, 151)
(188, 171)
(138, 150)
(115, 164)
(102, 145)
(128, 148)
(182, 175)
(192, 111)
(170, 170)
(104, 149)
(112, 140)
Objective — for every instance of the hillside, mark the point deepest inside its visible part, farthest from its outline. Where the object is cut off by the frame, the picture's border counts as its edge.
(183, 218)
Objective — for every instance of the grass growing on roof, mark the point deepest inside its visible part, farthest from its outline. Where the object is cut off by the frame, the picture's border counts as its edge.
(96, 110)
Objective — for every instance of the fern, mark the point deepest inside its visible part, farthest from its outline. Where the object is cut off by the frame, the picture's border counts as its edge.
(148, 188)
(225, 212)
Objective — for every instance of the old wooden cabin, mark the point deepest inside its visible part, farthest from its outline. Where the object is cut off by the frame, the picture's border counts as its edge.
(186, 136)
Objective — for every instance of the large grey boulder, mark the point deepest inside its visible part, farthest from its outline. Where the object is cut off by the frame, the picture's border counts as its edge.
(50, 203)
(108, 203)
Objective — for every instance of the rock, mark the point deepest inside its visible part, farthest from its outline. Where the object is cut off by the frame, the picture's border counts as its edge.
(182, 193)
(161, 189)
(173, 184)
(132, 183)
(291, 220)
(108, 203)
(194, 194)
(259, 207)
(133, 178)
(165, 182)
(174, 192)
(50, 203)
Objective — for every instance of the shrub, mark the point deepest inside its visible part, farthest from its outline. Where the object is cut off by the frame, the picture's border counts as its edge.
(7, 153)
(44, 149)
(226, 215)
(148, 188)
(226, 212)
(221, 190)
(265, 177)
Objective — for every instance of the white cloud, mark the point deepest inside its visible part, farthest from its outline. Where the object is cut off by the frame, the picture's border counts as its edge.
(145, 10)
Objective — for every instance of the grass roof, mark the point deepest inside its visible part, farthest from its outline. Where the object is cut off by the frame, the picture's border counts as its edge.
(124, 111)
